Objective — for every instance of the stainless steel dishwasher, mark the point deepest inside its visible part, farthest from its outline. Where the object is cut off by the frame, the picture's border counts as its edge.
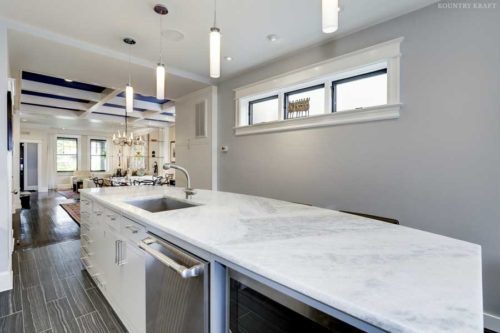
(177, 289)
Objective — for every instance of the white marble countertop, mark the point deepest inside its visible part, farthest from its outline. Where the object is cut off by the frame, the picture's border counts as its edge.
(397, 278)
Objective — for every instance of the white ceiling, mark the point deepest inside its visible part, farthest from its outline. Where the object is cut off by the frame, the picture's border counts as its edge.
(34, 54)
(244, 25)
(82, 40)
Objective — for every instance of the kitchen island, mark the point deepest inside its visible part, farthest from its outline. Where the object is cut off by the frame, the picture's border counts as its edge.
(373, 275)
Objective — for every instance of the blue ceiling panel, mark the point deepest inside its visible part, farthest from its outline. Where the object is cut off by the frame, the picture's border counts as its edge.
(117, 115)
(64, 98)
(161, 121)
(53, 107)
(143, 98)
(61, 82)
(122, 107)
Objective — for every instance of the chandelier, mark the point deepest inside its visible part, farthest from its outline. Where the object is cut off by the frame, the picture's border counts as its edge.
(124, 139)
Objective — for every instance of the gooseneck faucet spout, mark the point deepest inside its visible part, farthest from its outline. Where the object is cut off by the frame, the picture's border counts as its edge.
(189, 191)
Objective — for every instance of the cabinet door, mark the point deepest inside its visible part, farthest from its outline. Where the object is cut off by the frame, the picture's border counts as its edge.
(133, 284)
(111, 269)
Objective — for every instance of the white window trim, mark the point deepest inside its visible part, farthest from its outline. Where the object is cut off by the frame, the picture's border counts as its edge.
(387, 54)
(79, 152)
(108, 145)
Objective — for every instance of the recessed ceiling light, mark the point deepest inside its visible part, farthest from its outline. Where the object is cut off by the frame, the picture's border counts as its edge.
(68, 80)
(172, 35)
(272, 38)
(228, 58)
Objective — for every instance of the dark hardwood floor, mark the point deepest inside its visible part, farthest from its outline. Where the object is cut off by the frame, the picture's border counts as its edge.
(45, 222)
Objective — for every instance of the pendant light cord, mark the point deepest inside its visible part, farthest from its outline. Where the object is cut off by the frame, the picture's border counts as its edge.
(161, 40)
(215, 13)
(129, 62)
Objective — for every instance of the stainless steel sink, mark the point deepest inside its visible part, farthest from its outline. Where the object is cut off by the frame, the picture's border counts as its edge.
(160, 204)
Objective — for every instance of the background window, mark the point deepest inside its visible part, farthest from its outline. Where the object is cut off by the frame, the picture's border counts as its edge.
(97, 155)
(316, 97)
(263, 110)
(360, 91)
(67, 154)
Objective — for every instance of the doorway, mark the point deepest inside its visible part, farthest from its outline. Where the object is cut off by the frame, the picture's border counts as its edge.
(29, 165)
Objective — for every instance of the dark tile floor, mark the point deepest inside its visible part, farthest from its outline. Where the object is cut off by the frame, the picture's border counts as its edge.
(45, 222)
(52, 293)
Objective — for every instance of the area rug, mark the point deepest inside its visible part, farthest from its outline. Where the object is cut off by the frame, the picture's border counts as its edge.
(69, 194)
(73, 210)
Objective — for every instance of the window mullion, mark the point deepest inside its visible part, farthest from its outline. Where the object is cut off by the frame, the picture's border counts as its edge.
(281, 106)
(328, 97)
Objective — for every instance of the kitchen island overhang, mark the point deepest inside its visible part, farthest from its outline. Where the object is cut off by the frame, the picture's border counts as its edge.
(373, 275)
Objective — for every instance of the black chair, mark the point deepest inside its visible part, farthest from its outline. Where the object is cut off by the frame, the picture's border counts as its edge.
(374, 217)
(99, 182)
(160, 181)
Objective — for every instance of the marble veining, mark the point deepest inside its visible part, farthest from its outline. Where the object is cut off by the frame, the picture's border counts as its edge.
(397, 278)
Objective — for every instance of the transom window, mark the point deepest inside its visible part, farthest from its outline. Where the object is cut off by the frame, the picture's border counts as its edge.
(360, 91)
(97, 155)
(305, 102)
(359, 86)
(263, 110)
(67, 154)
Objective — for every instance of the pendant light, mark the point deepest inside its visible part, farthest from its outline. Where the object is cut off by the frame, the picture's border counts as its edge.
(160, 69)
(215, 47)
(129, 90)
(330, 15)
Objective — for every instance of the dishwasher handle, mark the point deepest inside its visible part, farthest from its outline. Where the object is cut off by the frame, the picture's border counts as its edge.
(183, 271)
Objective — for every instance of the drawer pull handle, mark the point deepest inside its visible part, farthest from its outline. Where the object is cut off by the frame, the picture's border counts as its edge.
(133, 229)
(86, 238)
(85, 263)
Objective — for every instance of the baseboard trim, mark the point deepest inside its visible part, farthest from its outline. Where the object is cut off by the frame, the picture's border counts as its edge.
(492, 322)
(5, 281)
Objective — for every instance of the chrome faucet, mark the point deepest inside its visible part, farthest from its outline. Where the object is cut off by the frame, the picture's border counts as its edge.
(189, 191)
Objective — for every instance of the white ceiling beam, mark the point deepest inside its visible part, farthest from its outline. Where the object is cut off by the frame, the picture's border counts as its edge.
(118, 112)
(47, 111)
(149, 113)
(60, 91)
(168, 105)
(53, 102)
(138, 104)
(59, 38)
(108, 94)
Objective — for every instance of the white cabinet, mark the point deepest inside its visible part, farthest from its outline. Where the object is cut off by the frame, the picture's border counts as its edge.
(111, 256)
(111, 271)
(133, 284)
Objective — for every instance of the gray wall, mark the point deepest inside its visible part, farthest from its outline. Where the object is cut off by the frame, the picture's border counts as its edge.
(437, 168)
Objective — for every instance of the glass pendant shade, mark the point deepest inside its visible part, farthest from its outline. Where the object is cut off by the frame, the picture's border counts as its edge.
(330, 15)
(215, 53)
(129, 98)
(160, 81)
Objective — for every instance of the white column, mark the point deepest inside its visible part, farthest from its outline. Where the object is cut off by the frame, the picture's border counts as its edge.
(5, 171)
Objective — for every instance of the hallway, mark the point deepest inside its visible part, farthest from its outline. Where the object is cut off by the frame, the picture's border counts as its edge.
(52, 293)
(45, 223)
